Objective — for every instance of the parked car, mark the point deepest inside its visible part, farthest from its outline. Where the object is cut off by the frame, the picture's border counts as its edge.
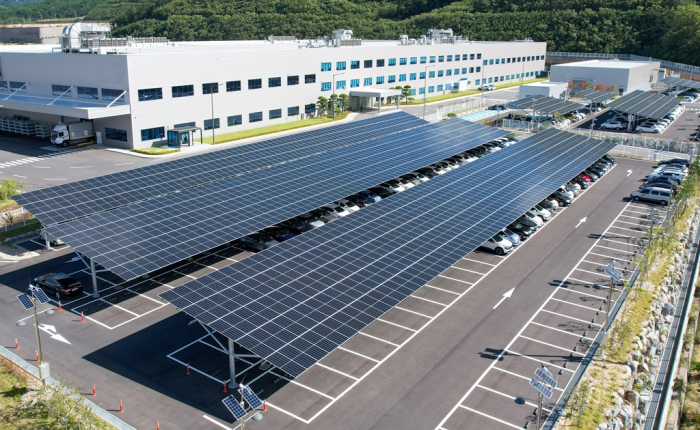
(567, 192)
(313, 220)
(357, 201)
(405, 183)
(584, 177)
(613, 125)
(257, 242)
(368, 196)
(535, 217)
(497, 107)
(487, 87)
(521, 230)
(527, 221)
(549, 204)
(674, 160)
(421, 177)
(59, 285)
(511, 236)
(664, 185)
(596, 171)
(341, 211)
(591, 175)
(280, 234)
(324, 214)
(678, 176)
(609, 158)
(393, 185)
(543, 213)
(581, 183)
(297, 226)
(562, 198)
(498, 244)
(347, 205)
(656, 195)
(382, 193)
(648, 128)
(663, 179)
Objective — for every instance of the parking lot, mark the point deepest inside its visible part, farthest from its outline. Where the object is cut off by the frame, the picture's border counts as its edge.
(409, 369)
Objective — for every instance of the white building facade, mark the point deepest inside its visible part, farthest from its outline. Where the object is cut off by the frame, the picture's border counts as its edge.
(135, 93)
(625, 76)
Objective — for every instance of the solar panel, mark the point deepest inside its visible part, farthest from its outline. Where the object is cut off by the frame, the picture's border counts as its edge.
(295, 303)
(82, 198)
(682, 83)
(140, 238)
(644, 104)
(26, 301)
(234, 406)
(253, 401)
(541, 388)
(39, 294)
(545, 105)
(595, 95)
(546, 378)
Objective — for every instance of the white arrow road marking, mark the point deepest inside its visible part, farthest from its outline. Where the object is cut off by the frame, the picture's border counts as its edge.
(505, 296)
(581, 222)
(629, 172)
(52, 331)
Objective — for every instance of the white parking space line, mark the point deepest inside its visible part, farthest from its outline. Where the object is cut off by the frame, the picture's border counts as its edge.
(310, 389)
(637, 212)
(379, 339)
(614, 249)
(519, 376)
(510, 397)
(489, 416)
(571, 318)
(480, 262)
(623, 228)
(632, 223)
(122, 308)
(588, 271)
(467, 270)
(622, 243)
(574, 304)
(593, 262)
(552, 345)
(538, 360)
(413, 312)
(397, 325)
(442, 289)
(562, 331)
(455, 279)
(336, 371)
(619, 260)
(431, 301)
(634, 217)
(585, 294)
(358, 354)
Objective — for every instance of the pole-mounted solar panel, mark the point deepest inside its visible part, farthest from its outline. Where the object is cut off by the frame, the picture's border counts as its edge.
(250, 396)
(39, 294)
(234, 406)
(26, 301)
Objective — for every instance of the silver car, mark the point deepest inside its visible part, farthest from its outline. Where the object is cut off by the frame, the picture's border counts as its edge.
(661, 196)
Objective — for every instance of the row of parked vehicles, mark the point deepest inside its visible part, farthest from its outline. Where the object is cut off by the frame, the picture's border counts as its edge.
(316, 218)
(620, 122)
(663, 182)
(522, 228)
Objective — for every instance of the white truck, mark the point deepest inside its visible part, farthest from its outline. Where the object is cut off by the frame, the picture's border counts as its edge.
(72, 132)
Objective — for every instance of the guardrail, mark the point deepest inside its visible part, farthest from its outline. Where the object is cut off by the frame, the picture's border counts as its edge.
(597, 55)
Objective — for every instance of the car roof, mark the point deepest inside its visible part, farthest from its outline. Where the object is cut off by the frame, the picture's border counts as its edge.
(53, 276)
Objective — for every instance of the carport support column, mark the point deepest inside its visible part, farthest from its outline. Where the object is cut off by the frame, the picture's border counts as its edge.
(231, 365)
(95, 293)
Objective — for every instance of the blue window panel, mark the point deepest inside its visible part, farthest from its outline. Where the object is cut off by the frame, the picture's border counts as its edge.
(471, 70)
(491, 62)
(512, 76)
(392, 79)
(403, 61)
(354, 83)
(449, 58)
(478, 81)
(413, 91)
(392, 61)
(486, 62)
(414, 60)
(448, 86)
(368, 82)
(355, 64)
(490, 80)
(432, 58)
(339, 85)
(471, 56)
(431, 89)
(402, 78)
(498, 61)
(448, 72)
(431, 74)
(439, 88)
(478, 69)
(340, 65)
(326, 67)
(423, 60)
(442, 73)
(326, 86)
(421, 91)
(478, 56)
(152, 133)
(422, 75)
(517, 75)
(507, 77)
(413, 76)
(441, 59)
(380, 80)
(456, 71)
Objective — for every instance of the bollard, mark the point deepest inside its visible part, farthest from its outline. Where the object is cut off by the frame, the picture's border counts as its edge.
(225, 388)
(121, 407)
(94, 392)
(16, 344)
(157, 425)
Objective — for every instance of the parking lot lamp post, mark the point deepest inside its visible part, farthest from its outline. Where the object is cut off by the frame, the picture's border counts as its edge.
(483, 69)
(335, 101)
(211, 94)
(425, 88)
(593, 112)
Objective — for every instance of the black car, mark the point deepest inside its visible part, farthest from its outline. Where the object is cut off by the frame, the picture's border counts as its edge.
(358, 201)
(663, 179)
(581, 182)
(562, 198)
(609, 158)
(675, 161)
(280, 234)
(497, 107)
(59, 285)
(256, 242)
(594, 176)
(597, 170)
(665, 185)
(521, 230)
(427, 171)
(383, 192)
(323, 215)
(527, 221)
(296, 226)
(549, 204)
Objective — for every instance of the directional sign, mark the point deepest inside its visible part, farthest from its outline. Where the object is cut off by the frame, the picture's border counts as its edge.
(546, 378)
(541, 388)
(547, 372)
(615, 263)
(52, 331)
(612, 275)
(614, 270)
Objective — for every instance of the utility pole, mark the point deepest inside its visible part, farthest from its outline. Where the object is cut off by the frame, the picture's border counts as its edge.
(483, 69)
(425, 88)
(333, 96)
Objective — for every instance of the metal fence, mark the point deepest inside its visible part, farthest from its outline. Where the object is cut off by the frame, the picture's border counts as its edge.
(464, 106)
(14, 218)
(588, 55)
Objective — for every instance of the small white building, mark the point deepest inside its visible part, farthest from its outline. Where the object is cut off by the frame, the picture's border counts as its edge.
(547, 88)
(625, 76)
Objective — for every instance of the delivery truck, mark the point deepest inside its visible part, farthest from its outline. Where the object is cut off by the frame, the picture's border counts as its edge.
(73, 133)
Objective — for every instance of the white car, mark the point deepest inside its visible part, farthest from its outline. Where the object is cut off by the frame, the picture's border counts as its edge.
(312, 220)
(338, 210)
(566, 192)
(535, 218)
(670, 170)
(421, 177)
(487, 87)
(673, 175)
(347, 205)
(393, 185)
(498, 244)
(648, 128)
(542, 212)
(405, 183)
(614, 125)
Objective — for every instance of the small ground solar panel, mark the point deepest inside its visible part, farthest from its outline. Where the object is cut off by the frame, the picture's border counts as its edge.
(26, 301)
(253, 401)
(546, 378)
(541, 388)
(234, 406)
(40, 294)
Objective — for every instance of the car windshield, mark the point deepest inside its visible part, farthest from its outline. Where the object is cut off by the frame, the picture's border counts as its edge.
(539, 208)
(497, 238)
(66, 281)
(529, 214)
(517, 225)
(280, 231)
(508, 232)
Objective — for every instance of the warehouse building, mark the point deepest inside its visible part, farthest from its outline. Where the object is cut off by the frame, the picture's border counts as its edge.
(624, 76)
(141, 92)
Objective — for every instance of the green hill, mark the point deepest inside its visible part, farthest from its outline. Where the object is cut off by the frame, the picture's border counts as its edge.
(660, 28)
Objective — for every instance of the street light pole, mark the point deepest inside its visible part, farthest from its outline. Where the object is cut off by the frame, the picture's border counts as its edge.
(425, 88)
(483, 69)
(333, 98)
(213, 128)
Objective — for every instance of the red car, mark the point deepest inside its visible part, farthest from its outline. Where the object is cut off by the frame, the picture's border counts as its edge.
(584, 177)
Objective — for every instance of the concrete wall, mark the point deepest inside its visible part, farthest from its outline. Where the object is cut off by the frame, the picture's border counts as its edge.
(550, 89)
(43, 35)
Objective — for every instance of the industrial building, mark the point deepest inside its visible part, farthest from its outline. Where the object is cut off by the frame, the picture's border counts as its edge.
(137, 90)
(624, 76)
(547, 89)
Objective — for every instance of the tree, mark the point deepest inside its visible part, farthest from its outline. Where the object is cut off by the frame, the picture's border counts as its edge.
(571, 85)
(611, 88)
(333, 103)
(344, 101)
(600, 87)
(322, 105)
(406, 91)
(582, 85)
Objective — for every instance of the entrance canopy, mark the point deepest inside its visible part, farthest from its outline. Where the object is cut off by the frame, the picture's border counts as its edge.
(83, 109)
(374, 92)
(182, 136)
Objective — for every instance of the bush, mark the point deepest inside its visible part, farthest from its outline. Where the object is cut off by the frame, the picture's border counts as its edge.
(452, 115)
(10, 187)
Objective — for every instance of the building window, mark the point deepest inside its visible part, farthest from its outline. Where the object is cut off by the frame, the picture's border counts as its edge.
(431, 74)
(368, 64)
(355, 64)
(413, 76)
(508, 60)
(414, 60)
(326, 67)
(491, 61)
(340, 65)
(471, 70)
(422, 75)
(439, 88)
(3, 85)
(512, 60)
(111, 95)
(310, 108)
(368, 82)
(20, 87)
(325, 86)
(519, 59)
(486, 62)
(431, 89)
(183, 91)
(478, 69)
(392, 79)
(501, 79)
(116, 134)
(275, 113)
(498, 61)
(507, 77)
(441, 59)
(354, 83)
(421, 90)
(392, 61)
(517, 75)
(254, 84)
(456, 71)
(402, 78)
(432, 58)
(423, 60)
(449, 58)
(448, 72)
(294, 110)
(403, 61)
(478, 56)
(490, 80)
(380, 63)
(413, 91)
(339, 85)
(274, 82)
(207, 123)
(448, 86)
(309, 79)
(441, 73)
(152, 133)
(56, 90)
(211, 88)
(255, 117)
(477, 82)
(233, 86)
(380, 80)
(235, 120)
(512, 76)
(471, 56)
(528, 58)
(88, 93)
(185, 124)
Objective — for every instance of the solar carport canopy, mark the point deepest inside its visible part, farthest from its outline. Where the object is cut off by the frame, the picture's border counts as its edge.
(295, 303)
(682, 83)
(545, 105)
(137, 239)
(595, 95)
(89, 196)
(644, 104)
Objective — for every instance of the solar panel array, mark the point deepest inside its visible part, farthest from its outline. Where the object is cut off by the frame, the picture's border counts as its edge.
(137, 239)
(78, 199)
(234, 407)
(682, 83)
(545, 105)
(295, 303)
(645, 104)
(595, 95)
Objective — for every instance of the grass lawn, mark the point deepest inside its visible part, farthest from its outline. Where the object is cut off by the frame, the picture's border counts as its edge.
(32, 224)
(244, 134)
(472, 92)
(156, 150)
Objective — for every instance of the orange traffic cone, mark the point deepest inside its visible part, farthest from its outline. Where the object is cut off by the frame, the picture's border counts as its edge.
(225, 391)
(94, 392)
(157, 425)
(188, 368)
(121, 407)
(16, 344)
(264, 405)
(82, 317)
(37, 355)
(59, 306)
